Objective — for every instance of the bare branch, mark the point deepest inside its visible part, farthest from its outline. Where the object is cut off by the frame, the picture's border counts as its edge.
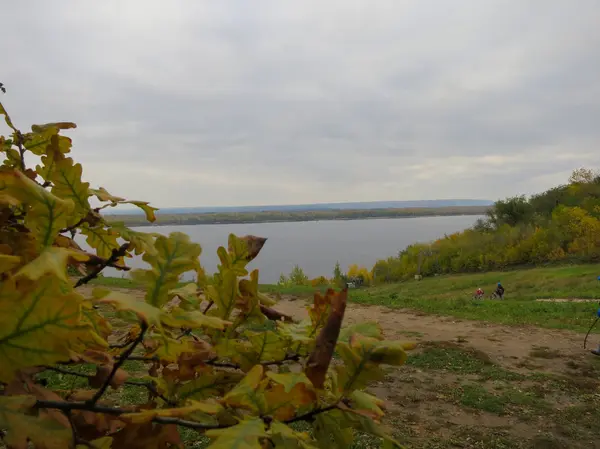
(215, 362)
(116, 254)
(148, 385)
(19, 143)
(67, 407)
(118, 364)
(210, 304)
(309, 416)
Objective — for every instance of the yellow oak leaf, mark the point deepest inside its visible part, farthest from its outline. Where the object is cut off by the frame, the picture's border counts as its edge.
(52, 260)
(39, 324)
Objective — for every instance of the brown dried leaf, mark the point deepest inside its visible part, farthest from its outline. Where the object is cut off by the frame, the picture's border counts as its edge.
(319, 360)
(254, 244)
(148, 436)
(102, 373)
(275, 315)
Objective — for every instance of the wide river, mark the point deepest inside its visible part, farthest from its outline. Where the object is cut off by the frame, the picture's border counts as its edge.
(315, 245)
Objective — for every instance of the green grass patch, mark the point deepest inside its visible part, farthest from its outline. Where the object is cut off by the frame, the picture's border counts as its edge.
(512, 400)
(446, 356)
(477, 397)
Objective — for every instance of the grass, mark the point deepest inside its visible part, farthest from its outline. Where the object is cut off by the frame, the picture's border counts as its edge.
(451, 357)
(451, 295)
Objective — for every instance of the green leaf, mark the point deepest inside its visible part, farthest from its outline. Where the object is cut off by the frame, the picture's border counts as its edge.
(174, 256)
(7, 117)
(39, 141)
(121, 301)
(365, 402)
(267, 345)
(8, 262)
(103, 195)
(362, 357)
(368, 329)
(140, 242)
(248, 393)
(103, 240)
(245, 435)
(284, 436)
(52, 260)
(47, 141)
(47, 214)
(67, 183)
(192, 407)
(207, 385)
(224, 293)
(20, 425)
(289, 380)
(192, 320)
(39, 324)
(327, 427)
(148, 210)
(54, 125)
(237, 257)
(188, 295)
(99, 443)
(357, 421)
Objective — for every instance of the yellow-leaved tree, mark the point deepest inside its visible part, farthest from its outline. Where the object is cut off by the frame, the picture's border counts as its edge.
(219, 360)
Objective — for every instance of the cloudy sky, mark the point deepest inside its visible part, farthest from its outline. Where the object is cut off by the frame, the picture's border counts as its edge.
(201, 103)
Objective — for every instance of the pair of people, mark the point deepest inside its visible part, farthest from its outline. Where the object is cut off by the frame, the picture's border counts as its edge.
(499, 292)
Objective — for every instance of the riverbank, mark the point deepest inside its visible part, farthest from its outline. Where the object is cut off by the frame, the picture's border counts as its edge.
(294, 216)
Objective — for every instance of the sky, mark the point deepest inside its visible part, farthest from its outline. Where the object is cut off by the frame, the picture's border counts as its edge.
(226, 103)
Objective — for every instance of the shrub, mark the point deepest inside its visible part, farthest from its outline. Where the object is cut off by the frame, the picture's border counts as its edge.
(219, 358)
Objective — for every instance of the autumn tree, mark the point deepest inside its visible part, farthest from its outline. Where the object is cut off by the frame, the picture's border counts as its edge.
(220, 359)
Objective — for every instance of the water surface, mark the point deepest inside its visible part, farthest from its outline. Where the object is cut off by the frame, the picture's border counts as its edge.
(316, 245)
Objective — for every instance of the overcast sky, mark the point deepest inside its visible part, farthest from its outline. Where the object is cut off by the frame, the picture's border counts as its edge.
(202, 103)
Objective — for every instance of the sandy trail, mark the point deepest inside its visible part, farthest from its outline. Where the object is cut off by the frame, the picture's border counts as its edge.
(509, 346)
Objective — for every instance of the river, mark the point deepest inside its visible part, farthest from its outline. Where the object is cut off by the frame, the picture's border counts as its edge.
(315, 245)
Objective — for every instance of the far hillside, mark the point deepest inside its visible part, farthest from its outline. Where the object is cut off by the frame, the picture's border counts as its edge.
(360, 205)
(291, 215)
(557, 226)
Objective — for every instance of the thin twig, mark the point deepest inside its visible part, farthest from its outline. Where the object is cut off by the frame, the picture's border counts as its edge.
(214, 362)
(118, 364)
(76, 439)
(116, 254)
(75, 226)
(310, 415)
(115, 411)
(210, 304)
(148, 385)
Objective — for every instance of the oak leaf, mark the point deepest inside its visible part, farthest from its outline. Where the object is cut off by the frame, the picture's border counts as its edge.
(20, 425)
(39, 324)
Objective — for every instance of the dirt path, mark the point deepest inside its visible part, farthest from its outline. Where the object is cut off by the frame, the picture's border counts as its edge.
(511, 347)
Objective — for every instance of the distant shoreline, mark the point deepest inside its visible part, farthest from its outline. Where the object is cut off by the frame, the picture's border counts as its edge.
(184, 219)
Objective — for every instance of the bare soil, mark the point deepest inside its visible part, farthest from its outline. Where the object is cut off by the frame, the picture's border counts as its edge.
(555, 386)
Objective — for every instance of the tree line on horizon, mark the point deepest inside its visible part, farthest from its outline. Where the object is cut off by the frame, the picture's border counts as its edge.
(561, 224)
(291, 216)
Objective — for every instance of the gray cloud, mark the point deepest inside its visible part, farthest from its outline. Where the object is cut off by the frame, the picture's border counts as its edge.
(233, 102)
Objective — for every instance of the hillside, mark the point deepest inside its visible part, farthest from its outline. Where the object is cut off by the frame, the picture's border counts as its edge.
(557, 226)
(291, 216)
